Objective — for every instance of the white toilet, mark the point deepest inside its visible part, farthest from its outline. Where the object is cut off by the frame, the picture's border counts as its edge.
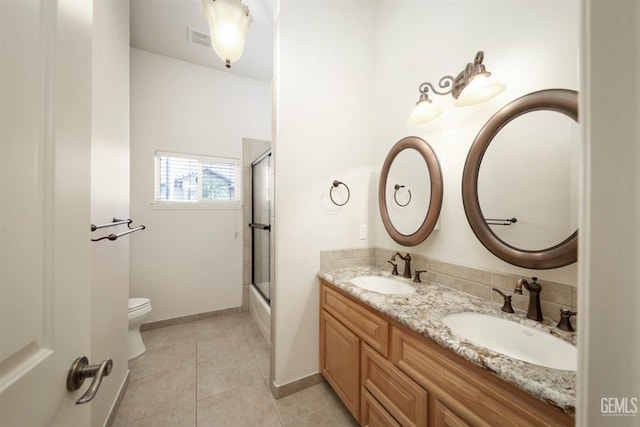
(139, 311)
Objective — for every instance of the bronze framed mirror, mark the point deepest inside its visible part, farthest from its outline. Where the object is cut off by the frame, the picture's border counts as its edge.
(542, 138)
(410, 191)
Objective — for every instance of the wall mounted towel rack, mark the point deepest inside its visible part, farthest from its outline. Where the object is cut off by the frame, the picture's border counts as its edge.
(397, 187)
(114, 236)
(334, 185)
(497, 221)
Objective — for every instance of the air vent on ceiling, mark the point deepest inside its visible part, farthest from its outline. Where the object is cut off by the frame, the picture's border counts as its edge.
(197, 37)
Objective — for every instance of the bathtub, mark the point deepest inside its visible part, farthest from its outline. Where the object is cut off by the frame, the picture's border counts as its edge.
(261, 312)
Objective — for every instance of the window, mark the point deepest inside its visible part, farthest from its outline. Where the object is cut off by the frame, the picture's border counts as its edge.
(186, 180)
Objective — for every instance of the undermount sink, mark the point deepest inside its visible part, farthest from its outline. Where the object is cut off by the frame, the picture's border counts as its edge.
(514, 340)
(382, 285)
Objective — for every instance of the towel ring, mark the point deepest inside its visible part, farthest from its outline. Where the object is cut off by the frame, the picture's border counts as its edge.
(335, 184)
(398, 187)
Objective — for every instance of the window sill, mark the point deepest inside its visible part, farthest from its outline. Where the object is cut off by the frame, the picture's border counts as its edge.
(197, 205)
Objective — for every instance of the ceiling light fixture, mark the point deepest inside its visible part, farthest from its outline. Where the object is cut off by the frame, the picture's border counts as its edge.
(229, 21)
(471, 86)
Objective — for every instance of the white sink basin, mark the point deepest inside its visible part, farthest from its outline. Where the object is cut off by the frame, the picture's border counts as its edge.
(513, 339)
(382, 285)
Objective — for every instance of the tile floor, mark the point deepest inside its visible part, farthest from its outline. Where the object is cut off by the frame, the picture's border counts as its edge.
(214, 372)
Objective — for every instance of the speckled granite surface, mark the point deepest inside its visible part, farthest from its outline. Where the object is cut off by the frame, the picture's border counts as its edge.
(423, 310)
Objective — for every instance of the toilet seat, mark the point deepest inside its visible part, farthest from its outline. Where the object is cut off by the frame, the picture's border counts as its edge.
(138, 304)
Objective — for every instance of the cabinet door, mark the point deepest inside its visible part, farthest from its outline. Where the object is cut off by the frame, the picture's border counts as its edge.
(443, 417)
(373, 414)
(340, 361)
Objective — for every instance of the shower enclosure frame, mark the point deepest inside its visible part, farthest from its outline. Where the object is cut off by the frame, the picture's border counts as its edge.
(261, 226)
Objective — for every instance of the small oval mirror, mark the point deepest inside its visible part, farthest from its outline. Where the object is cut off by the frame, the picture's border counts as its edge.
(543, 234)
(410, 191)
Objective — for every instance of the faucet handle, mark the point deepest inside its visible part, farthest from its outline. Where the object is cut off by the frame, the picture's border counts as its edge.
(565, 320)
(535, 286)
(416, 278)
(506, 307)
(395, 266)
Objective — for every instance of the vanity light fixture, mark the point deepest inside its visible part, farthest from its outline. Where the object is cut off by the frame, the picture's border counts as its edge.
(229, 21)
(471, 86)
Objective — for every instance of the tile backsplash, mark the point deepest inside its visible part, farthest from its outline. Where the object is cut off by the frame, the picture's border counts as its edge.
(474, 281)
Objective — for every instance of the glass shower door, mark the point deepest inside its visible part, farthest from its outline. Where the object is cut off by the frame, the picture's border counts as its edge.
(260, 224)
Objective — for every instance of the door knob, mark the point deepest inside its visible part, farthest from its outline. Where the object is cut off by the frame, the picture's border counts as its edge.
(81, 370)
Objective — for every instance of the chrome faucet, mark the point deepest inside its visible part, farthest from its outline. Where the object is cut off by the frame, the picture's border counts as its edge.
(407, 264)
(534, 312)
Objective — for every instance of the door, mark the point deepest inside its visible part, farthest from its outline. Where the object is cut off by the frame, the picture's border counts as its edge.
(260, 224)
(45, 133)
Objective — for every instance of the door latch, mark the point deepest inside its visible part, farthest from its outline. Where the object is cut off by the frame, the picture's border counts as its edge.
(81, 370)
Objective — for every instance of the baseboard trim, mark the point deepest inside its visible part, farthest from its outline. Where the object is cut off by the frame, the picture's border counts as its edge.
(284, 390)
(116, 404)
(188, 318)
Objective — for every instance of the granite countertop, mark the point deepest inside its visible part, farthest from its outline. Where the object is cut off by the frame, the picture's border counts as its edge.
(423, 310)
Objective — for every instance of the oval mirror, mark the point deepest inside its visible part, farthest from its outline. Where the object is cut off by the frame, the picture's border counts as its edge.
(410, 191)
(519, 184)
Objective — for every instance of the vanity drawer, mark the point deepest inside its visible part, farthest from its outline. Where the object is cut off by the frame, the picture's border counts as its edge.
(443, 417)
(374, 414)
(474, 395)
(405, 400)
(370, 327)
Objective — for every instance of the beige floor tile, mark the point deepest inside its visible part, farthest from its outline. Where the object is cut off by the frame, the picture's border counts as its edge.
(229, 323)
(182, 416)
(257, 341)
(263, 363)
(226, 374)
(340, 418)
(158, 393)
(240, 407)
(214, 372)
(162, 359)
(218, 346)
(314, 400)
(169, 335)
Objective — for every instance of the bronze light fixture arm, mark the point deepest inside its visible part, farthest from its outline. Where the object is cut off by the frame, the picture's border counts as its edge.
(444, 83)
(459, 88)
(455, 86)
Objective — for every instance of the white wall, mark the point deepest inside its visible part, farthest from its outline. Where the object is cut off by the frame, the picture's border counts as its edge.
(529, 46)
(188, 261)
(324, 131)
(109, 197)
(609, 323)
(347, 74)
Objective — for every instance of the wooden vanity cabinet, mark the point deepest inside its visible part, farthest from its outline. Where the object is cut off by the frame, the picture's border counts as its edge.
(467, 394)
(344, 325)
(389, 375)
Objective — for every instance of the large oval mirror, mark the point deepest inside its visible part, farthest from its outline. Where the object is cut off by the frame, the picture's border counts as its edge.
(410, 191)
(519, 184)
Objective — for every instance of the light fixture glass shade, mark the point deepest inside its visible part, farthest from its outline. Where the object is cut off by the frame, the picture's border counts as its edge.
(481, 88)
(229, 21)
(423, 112)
